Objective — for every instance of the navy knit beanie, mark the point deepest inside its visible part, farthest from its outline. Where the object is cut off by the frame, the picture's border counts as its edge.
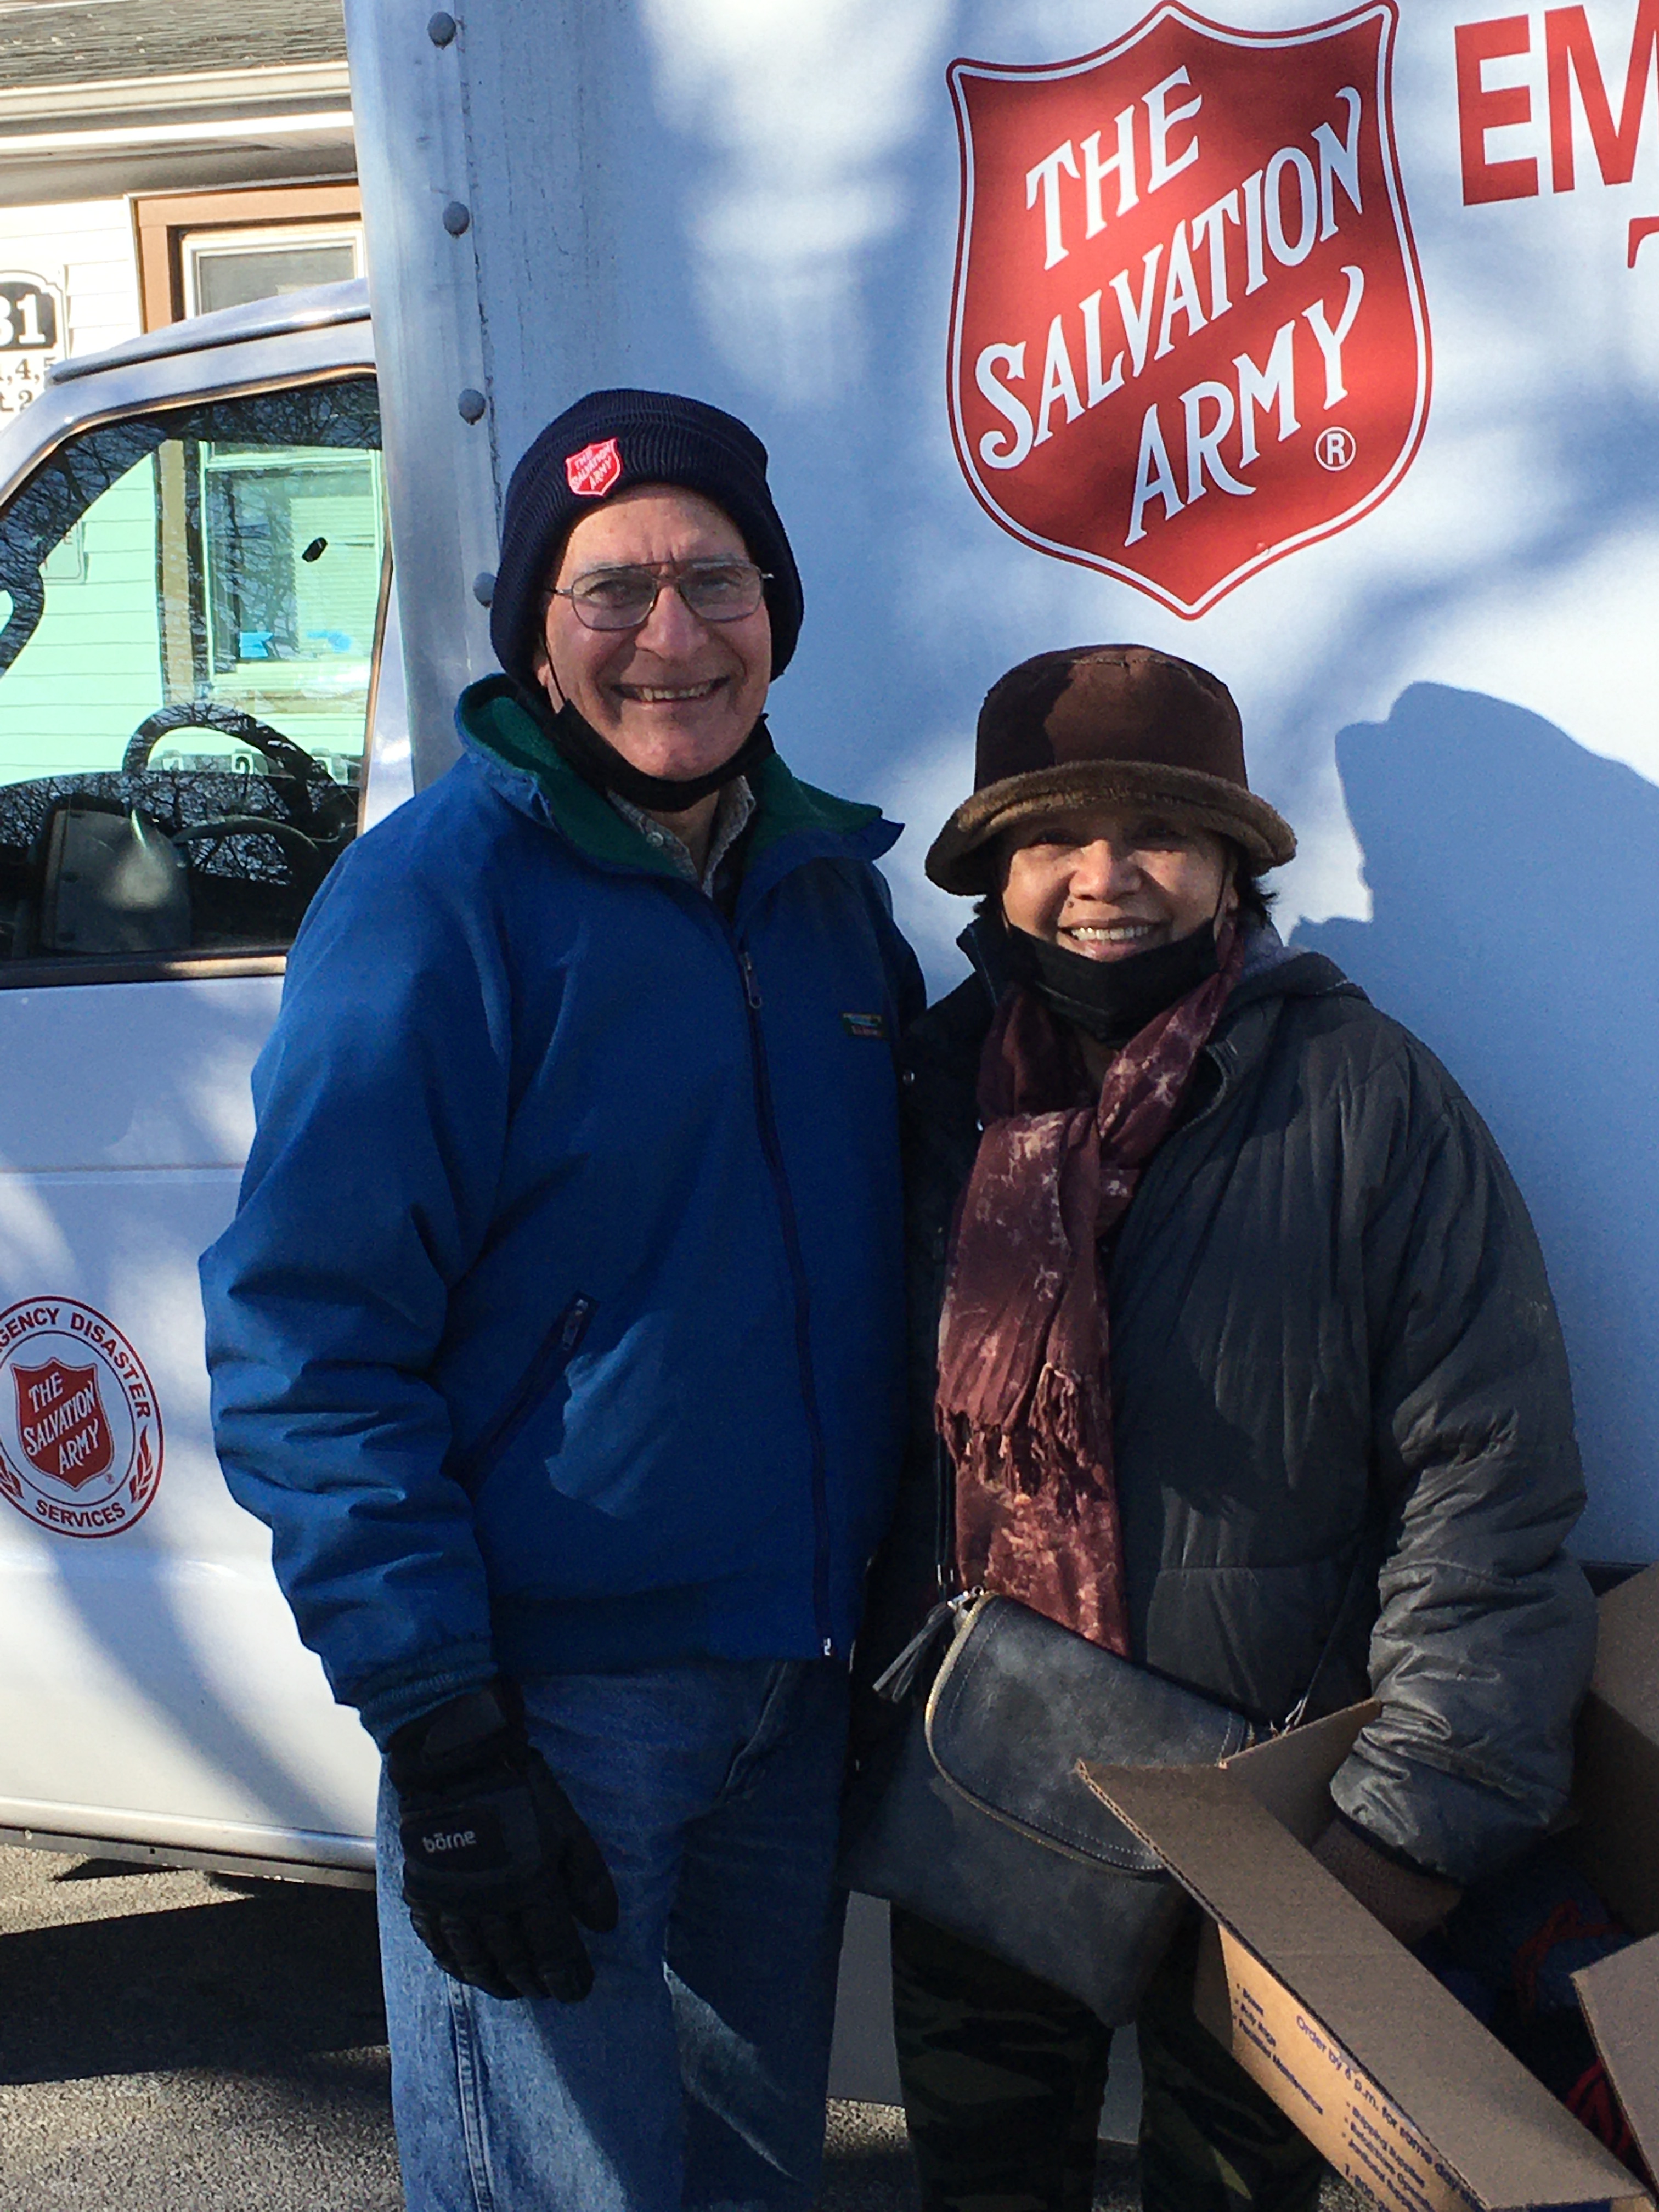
(602, 445)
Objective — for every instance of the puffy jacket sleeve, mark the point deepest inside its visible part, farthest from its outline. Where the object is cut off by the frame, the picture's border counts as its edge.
(1483, 1646)
(382, 1100)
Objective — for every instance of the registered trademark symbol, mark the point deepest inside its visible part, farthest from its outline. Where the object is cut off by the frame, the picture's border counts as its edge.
(1334, 448)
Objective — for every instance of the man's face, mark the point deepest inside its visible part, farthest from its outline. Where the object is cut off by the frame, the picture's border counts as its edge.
(677, 697)
(1110, 881)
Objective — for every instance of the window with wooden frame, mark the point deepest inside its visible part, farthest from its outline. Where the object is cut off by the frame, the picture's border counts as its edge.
(198, 250)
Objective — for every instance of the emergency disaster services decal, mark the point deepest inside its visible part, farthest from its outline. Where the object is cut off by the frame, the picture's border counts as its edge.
(79, 1435)
(1188, 333)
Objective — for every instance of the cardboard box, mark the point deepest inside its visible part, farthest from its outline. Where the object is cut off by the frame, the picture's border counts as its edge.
(1616, 1780)
(1385, 2073)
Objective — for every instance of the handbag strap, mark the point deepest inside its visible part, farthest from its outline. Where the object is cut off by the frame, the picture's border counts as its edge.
(899, 1678)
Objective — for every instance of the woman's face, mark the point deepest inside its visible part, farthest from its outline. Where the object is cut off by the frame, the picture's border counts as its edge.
(677, 697)
(1110, 881)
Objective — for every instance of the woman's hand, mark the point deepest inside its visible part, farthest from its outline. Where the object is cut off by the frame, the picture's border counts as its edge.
(1409, 1903)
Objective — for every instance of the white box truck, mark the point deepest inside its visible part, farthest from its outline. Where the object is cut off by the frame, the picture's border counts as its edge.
(1322, 350)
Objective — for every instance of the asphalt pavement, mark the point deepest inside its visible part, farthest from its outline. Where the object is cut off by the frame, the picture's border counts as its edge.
(188, 2041)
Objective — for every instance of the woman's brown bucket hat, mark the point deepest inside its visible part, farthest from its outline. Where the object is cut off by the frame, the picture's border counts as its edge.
(1106, 725)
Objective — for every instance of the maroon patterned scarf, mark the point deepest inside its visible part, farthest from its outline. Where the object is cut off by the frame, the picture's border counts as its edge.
(1024, 1396)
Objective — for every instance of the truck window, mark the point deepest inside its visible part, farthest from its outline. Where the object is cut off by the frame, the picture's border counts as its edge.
(189, 603)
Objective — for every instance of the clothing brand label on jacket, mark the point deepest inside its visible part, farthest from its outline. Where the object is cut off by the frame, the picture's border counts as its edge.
(1189, 333)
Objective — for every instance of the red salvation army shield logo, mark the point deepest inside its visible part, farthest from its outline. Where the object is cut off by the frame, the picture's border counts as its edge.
(591, 473)
(80, 1434)
(1189, 333)
(60, 1422)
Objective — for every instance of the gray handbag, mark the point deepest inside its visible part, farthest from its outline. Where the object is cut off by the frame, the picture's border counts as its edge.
(982, 1823)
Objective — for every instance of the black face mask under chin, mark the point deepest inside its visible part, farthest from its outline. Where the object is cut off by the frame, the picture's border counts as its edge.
(597, 760)
(1113, 1000)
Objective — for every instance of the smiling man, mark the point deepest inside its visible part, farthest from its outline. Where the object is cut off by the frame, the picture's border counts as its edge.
(558, 1339)
(1237, 1337)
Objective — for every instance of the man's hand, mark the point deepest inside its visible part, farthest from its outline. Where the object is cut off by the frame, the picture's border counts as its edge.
(497, 1865)
(1409, 1903)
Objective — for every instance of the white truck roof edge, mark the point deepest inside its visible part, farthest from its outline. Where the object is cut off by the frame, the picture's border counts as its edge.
(317, 307)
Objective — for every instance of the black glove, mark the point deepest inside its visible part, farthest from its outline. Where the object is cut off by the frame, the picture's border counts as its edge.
(497, 1865)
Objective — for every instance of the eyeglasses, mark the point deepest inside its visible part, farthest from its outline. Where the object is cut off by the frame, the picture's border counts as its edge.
(622, 599)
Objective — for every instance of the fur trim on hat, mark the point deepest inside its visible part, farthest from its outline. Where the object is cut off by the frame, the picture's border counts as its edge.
(963, 858)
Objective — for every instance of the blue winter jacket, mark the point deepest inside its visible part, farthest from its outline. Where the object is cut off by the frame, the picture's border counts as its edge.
(560, 1325)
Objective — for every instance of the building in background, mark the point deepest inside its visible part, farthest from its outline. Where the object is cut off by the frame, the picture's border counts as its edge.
(160, 158)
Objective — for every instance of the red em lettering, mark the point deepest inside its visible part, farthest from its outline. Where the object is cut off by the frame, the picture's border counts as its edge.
(1479, 111)
(1569, 55)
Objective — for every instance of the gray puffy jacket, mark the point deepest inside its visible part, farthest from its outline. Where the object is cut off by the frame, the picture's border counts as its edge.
(1340, 1401)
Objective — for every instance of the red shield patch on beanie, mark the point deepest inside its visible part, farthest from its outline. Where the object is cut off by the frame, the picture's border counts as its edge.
(591, 473)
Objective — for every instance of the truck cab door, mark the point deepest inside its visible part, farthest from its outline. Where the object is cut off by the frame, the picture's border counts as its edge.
(197, 597)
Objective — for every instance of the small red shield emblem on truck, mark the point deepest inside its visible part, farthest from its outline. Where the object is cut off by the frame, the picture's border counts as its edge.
(60, 1422)
(1189, 333)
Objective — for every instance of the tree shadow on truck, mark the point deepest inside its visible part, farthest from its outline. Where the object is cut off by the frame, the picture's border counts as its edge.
(1515, 887)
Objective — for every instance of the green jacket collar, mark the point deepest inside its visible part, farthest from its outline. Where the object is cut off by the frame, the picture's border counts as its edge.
(493, 722)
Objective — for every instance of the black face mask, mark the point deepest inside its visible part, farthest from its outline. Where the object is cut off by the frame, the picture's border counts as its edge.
(597, 760)
(1113, 1000)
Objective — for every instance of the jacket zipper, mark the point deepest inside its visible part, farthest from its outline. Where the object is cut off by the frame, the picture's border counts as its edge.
(774, 1153)
(557, 1348)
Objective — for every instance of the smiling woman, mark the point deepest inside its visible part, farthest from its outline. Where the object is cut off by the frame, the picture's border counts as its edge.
(1237, 1342)
(1116, 914)
(1106, 884)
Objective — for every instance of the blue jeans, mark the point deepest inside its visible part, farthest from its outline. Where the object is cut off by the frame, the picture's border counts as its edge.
(694, 2074)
